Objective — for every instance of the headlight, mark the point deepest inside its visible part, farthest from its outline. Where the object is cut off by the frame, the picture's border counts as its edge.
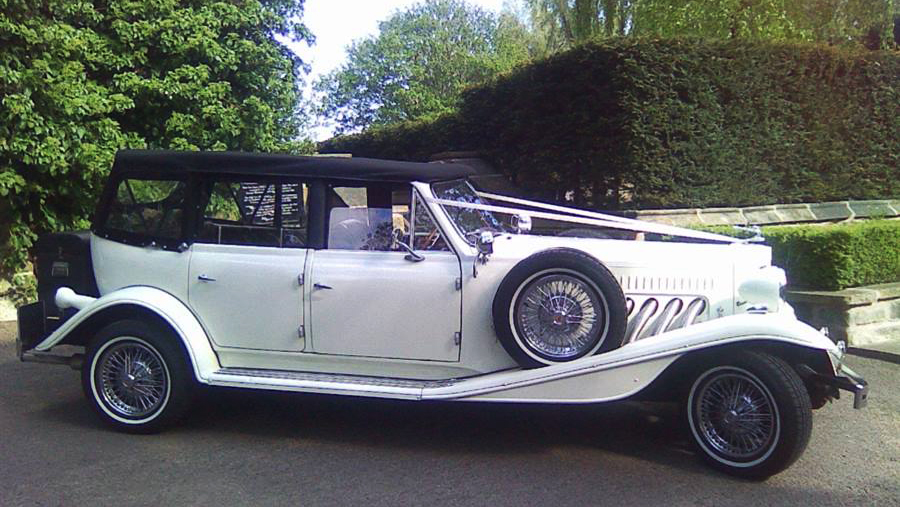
(763, 290)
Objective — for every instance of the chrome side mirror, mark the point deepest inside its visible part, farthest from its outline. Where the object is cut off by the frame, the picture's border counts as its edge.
(485, 243)
(522, 223)
(397, 241)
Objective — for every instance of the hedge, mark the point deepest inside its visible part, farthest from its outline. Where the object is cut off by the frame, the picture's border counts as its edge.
(835, 257)
(631, 123)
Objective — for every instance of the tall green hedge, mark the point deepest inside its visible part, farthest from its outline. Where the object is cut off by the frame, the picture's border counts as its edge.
(633, 123)
(835, 257)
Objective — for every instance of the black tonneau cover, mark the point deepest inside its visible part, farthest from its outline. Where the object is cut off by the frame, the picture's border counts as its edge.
(231, 162)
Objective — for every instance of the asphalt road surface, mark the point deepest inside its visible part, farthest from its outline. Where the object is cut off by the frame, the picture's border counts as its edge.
(254, 448)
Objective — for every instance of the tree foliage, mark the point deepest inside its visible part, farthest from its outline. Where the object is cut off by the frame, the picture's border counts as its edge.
(570, 22)
(80, 79)
(419, 62)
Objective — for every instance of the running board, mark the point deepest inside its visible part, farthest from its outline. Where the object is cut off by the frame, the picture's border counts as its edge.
(605, 377)
(326, 383)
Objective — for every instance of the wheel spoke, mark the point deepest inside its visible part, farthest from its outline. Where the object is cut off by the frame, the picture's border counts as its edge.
(557, 316)
(131, 379)
(735, 415)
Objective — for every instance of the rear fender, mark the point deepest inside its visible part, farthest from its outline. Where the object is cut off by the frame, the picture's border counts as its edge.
(140, 303)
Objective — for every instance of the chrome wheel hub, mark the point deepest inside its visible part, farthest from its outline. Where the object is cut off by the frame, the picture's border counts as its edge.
(131, 379)
(736, 416)
(560, 316)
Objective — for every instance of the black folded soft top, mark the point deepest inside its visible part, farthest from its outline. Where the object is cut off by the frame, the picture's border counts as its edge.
(133, 162)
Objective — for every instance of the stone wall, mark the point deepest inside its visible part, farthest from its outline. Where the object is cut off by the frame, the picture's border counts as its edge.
(861, 316)
(773, 214)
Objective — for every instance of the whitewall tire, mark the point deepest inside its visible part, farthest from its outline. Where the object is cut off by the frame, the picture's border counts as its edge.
(136, 377)
(749, 416)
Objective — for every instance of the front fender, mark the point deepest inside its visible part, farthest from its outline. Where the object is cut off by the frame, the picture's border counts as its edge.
(164, 305)
(628, 370)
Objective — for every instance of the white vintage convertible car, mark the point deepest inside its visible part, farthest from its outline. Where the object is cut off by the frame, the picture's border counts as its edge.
(401, 280)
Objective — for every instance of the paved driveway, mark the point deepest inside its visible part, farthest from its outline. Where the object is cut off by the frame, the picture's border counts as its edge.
(278, 449)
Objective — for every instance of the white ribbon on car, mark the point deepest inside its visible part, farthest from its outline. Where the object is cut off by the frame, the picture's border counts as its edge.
(583, 217)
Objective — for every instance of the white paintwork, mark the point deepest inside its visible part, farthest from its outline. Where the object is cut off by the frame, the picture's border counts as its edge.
(382, 305)
(67, 298)
(117, 265)
(255, 300)
(387, 317)
(175, 313)
(613, 375)
(606, 377)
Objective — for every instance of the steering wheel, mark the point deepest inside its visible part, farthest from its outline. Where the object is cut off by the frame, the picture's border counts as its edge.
(430, 239)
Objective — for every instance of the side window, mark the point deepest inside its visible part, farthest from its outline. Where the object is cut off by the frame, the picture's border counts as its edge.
(255, 213)
(427, 234)
(152, 208)
(366, 217)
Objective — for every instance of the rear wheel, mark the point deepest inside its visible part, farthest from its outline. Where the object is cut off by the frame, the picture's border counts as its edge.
(136, 377)
(749, 416)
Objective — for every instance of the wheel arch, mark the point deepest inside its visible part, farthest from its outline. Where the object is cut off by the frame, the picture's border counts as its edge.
(145, 304)
(678, 376)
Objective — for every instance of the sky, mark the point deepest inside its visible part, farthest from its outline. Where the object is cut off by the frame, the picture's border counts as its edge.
(337, 23)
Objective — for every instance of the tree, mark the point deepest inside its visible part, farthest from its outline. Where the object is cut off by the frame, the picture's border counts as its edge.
(80, 79)
(720, 19)
(569, 22)
(418, 64)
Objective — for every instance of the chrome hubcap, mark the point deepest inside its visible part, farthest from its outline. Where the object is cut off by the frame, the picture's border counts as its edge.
(560, 316)
(736, 416)
(131, 379)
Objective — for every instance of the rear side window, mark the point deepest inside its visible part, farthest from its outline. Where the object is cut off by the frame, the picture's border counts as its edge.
(255, 213)
(150, 208)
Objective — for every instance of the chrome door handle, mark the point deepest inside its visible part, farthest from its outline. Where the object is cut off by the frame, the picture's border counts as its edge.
(204, 278)
(321, 286)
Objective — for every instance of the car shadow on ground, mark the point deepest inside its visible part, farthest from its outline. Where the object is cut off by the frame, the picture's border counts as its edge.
(647, 431)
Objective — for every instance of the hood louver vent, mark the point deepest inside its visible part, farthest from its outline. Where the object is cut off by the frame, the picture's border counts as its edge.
(645, 319)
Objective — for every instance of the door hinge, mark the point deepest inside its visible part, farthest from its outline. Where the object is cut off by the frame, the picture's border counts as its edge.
(457, 338)
(300, 279)
(301, 332)
(458, 283)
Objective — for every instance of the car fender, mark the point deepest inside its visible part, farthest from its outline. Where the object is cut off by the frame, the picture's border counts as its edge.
(166, 306)
(628, 370)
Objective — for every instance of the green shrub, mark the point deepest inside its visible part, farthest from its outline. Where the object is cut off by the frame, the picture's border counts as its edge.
(631, 123)
(834, 257)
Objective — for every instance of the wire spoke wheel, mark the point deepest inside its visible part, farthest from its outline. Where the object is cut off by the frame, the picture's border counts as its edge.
(131, 379)
(561, 316)
(736, 415)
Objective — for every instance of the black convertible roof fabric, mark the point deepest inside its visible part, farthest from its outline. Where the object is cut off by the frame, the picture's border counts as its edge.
(158, 162)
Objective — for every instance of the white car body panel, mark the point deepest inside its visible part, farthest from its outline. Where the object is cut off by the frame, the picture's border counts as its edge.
(251, 298)
(391, 322)
(173, 311)
(378, 304)
(606, 377)
(126, 266)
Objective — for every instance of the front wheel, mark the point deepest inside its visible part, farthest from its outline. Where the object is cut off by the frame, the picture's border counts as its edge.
(749, 416)
(136, 377)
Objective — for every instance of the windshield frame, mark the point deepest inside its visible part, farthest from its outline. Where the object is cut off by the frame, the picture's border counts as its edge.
(493, 222)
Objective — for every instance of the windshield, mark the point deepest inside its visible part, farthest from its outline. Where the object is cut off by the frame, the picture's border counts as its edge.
(466, 220)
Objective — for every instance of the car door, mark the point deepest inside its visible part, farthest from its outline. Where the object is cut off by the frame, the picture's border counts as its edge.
(247, 264)
(369, 297)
